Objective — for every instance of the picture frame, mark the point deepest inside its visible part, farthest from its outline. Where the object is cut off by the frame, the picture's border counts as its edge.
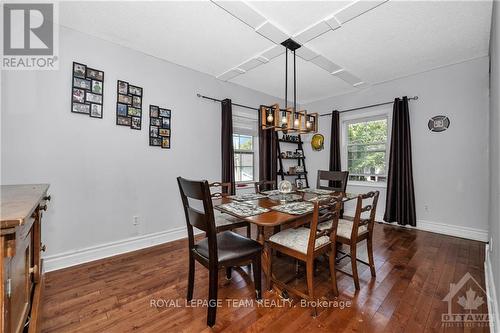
(160, 127)
(96, 111)
(128, 105)
(87, 90)
(299, 183)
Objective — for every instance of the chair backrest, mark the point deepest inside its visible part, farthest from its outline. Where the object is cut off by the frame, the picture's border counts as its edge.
(224, 190)
(366, 209)
(204, 220)
(337, 180)
(324, 211)
(264, 185)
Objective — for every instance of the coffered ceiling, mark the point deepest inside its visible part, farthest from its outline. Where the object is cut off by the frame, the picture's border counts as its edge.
(346, 45)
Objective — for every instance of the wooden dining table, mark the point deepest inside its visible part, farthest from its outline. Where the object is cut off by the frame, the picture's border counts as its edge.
(273, 219)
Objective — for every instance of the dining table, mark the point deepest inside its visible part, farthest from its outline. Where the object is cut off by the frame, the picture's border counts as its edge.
(272, 220)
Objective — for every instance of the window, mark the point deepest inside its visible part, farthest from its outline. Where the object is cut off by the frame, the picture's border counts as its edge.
(243, 158)
(366, 149)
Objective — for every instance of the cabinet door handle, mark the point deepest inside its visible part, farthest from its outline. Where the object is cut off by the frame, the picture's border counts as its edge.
(44, 207)
(43, 248)
(47, 197)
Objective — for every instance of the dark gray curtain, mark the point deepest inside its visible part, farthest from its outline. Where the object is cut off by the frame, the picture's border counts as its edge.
(335, 142)
(267, 153)
(335, 147)
(400, 200)
(227, 144)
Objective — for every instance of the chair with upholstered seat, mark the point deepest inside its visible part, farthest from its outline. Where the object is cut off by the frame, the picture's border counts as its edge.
(306, 244)
(351, 232)
(216, 250)
(224, 221)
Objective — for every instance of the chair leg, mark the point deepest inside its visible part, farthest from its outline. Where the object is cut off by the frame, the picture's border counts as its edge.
(310, 282)
(354, 266)
(369, 245)
(270, 268)
(212, 295)
(249, 231)
(257, 276)
(229, 272)
(332, 261)
(190, 278)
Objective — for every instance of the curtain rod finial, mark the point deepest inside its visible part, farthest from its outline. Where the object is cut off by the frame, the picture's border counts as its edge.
(415, 98)
(198, 95)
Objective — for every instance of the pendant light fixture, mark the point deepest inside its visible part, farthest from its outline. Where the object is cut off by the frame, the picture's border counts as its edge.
(289, 119)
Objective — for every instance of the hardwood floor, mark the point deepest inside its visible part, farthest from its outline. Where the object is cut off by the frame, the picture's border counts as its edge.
(414, 272)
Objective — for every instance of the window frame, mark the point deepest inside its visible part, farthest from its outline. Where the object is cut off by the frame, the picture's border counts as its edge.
(379, 113)
(248, 152)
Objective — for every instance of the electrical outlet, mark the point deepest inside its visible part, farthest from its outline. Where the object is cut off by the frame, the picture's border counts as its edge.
(426, 208)
(136, 220)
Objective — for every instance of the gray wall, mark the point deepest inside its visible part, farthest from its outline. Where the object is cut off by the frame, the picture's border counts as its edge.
(494, 148)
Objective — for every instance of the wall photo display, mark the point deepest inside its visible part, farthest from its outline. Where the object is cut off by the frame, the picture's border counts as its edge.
(129, 105)
(159, 126)
(87, 90)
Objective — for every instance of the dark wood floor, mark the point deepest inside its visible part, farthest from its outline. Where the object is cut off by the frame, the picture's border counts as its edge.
(414, 272)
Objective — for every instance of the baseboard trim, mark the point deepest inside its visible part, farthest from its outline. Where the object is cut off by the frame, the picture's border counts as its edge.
(72, 258)
(491, 294)
(453, 230)
(441, 228)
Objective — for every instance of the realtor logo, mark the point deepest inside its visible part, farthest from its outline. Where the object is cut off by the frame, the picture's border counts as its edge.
(466, 304)
(29, 36)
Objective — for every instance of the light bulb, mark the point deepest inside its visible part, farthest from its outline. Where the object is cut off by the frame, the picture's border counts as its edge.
(296, 123)
(270, 118)
(283, 120)
(308, 124)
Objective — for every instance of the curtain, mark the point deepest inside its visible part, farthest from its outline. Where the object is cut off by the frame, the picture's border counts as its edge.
(400, 200)
(227, 144)
(335, 147)
(267, 153)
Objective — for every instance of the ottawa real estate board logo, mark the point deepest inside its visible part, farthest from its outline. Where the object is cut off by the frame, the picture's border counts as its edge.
(467, 301)
(30, 36)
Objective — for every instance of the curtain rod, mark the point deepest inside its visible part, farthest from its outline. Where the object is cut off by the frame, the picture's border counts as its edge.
(414, 98)
(218, 100)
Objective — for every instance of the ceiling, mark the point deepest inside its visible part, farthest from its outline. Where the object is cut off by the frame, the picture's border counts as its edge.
(346, 45)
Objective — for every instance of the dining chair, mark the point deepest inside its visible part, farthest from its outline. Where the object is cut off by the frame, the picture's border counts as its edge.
(223, 221)
(307, 244)
(216, 250)
(337, 180)
(351, 232)
(265, 185)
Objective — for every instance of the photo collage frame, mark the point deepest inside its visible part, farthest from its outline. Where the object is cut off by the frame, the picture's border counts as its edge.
(160, 126)
(87, 92)
(129, 105)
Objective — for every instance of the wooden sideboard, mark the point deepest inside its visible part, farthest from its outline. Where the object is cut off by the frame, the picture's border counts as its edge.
(20, 255)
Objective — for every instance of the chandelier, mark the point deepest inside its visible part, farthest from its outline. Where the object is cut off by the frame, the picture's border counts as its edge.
(289, 119)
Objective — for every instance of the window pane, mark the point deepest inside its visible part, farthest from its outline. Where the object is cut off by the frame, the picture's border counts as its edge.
(237, 160)
(368, 132)
(245, 142)
(237, 174)
(366, 150)
(247, 173)
(247, 160)
(236, 141)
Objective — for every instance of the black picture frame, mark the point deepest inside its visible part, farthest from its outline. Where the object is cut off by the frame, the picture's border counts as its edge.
(160, 123)
(89, 81)
(128, 105)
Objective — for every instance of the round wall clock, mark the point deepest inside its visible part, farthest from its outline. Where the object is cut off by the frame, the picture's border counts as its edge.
(438, 123)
